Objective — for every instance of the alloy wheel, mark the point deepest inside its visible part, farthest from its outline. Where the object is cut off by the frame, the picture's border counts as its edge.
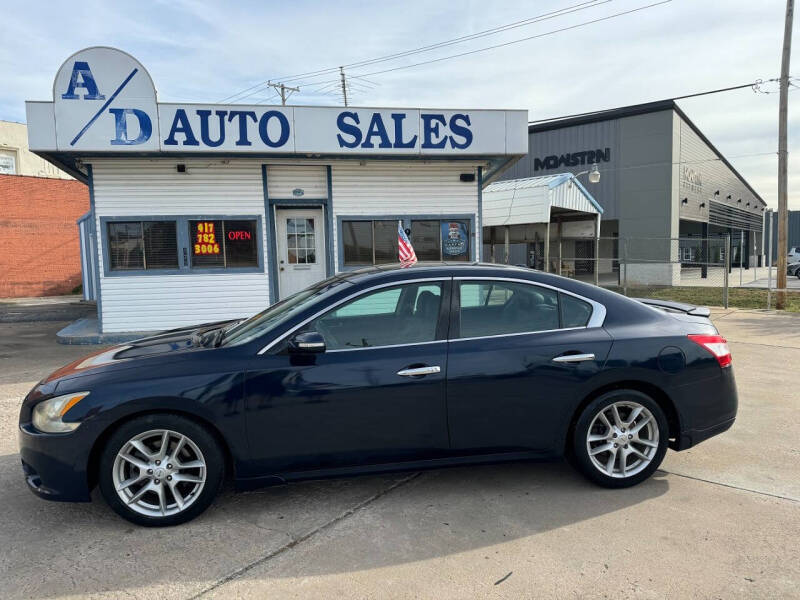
(159, 473)
(623, 439)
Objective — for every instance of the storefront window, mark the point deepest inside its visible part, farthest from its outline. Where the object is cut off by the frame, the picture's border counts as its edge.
(436, 240)
(142, 245)
(369, 242)
(223, 243)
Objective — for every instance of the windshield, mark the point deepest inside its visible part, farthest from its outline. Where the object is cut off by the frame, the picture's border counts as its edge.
(278, 313)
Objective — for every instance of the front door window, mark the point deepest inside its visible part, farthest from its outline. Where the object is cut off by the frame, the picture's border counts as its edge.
(398, 315)
(300, 241)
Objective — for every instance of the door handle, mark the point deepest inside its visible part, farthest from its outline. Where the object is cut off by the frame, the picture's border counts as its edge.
(573, 358)
(417, 371)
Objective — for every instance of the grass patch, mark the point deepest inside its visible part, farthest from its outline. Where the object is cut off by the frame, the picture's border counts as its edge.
(710, 296)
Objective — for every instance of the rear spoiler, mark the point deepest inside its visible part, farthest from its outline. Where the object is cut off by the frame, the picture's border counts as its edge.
(689, 309)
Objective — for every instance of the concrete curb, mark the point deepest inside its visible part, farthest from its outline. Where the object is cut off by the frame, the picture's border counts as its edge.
(86, 331)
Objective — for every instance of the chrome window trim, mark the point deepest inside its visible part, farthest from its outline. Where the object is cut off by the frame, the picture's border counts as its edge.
(598, 310)
(387, 346)
(502, 335)
(345, 299)
(596, 320)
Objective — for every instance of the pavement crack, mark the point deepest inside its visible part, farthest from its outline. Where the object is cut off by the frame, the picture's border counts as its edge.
(731, 486)
(306, 536)
(732, 341)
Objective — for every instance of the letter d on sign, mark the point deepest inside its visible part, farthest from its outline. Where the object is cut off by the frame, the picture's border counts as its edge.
(121, 126)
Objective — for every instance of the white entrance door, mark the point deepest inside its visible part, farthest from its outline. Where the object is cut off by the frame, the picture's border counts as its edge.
(301, 248)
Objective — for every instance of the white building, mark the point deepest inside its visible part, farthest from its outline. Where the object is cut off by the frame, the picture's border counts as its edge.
(17, 159)
(208, 212)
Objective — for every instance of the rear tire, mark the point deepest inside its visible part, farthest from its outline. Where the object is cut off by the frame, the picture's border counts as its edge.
(160, 470)
(620, 438)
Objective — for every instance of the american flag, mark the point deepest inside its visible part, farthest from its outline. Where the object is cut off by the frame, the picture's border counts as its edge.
(404, 248)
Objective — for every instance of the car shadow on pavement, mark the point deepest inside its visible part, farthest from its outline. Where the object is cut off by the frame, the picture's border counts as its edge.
(55, 549)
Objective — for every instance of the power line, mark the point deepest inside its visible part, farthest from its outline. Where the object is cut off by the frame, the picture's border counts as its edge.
(499, 29)
(695, 95)
(518, 41)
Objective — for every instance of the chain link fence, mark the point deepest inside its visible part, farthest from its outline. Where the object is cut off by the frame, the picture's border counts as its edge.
(712, 271)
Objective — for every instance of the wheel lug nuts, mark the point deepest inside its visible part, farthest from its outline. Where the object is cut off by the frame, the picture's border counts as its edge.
(623, 430)
(169, 477)
(169, 465)
(616, 445)
(615, 435)
(630, 436)
(149, 471)
(158, 462)
(625, 446)
(158, 481)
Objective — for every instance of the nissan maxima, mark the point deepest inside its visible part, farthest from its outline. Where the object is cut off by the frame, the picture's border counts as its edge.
(380, 370)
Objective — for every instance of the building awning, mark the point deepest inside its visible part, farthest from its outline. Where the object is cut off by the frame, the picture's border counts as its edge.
(532, 200)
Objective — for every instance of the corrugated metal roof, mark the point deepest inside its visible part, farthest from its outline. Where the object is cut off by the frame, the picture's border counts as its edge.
(530, 199)
(528, 182)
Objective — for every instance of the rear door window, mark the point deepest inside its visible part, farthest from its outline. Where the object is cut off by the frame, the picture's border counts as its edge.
(504, 307)
(499, 307)
(574, 311)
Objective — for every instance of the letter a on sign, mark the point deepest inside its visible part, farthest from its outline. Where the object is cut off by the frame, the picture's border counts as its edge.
(80, 69)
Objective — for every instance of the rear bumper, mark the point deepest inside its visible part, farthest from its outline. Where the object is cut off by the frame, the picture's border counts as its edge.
(692, 437)
(707, 408)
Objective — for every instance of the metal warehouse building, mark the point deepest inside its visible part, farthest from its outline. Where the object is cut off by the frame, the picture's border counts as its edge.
(661, 178)
(208, 212)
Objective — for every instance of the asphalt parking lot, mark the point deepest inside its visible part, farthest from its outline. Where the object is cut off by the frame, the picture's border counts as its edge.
(721, 520)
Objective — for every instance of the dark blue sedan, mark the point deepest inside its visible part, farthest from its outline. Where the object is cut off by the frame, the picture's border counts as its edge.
(381, 370)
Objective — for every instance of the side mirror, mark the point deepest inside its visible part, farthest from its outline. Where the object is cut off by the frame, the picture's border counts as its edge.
(308, 342)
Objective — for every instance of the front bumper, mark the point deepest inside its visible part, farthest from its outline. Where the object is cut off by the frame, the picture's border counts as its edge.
(55, 465)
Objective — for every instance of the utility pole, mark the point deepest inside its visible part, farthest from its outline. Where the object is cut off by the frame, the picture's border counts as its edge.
(783, 214)
(344, 85)
(282, 90)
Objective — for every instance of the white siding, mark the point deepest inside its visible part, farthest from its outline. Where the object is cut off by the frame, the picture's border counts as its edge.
(402, 188)
(133, 187)
(282, 180)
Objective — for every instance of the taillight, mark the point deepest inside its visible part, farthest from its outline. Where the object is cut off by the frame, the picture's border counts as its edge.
(717, 345)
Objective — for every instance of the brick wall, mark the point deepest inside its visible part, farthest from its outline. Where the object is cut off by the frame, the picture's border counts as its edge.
(39, 247)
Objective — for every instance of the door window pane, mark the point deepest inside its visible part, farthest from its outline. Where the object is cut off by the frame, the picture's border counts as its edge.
(405, 314)
(574, 312)
(357, 242)
(426, 240)
(498, 307)
(301, 241)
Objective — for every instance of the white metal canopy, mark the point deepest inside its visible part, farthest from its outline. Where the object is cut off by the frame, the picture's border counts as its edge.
(530, 200)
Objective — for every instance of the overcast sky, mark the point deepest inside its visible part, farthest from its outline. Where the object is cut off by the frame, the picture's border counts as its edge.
(206, 51)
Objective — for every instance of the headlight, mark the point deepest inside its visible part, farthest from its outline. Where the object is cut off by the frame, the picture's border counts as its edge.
(47, 415)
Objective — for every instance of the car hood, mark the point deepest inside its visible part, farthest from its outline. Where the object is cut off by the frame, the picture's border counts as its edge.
(165, 343)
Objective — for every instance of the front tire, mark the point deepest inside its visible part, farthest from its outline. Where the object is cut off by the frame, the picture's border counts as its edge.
(160, 470)
(620, 438)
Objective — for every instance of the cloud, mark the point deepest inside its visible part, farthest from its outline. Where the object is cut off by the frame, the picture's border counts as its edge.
(200, 51)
